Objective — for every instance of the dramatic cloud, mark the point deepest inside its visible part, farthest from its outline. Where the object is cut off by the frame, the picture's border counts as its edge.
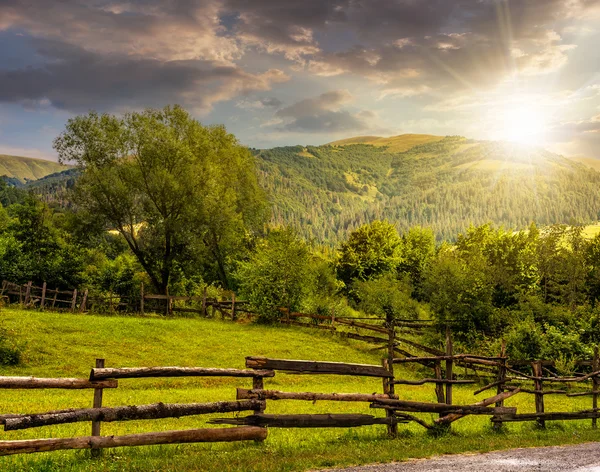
(162, 30)
(324, 114)
(77, 80)
(422, 56)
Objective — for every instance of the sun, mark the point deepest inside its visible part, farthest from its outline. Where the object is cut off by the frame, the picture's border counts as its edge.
(523, 124)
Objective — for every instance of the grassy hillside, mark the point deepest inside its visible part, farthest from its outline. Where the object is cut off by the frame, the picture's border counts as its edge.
(27, 168)
(400, 143)
(66, 345)
(446, 184)
(589, 161)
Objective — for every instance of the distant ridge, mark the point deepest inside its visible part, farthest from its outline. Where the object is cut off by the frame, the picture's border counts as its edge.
(28, 168)
(588, 161)
(400, 143)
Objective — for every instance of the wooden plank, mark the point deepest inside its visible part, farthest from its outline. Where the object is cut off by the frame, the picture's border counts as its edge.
(464, 358)
(488, 401)
(356, 324)
(317, 367)
(548, 416)
(428, 350)
(311, 325)
(243, 393)
(66, 383)
(424, 407)
(144, 439)
(145, 372)
(360, 337)
(126, 413)
(436, 381)
(343, 420)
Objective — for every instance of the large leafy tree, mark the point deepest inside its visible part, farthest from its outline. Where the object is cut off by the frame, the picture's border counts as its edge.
(278, 274)
(371, 250)
(183, 196)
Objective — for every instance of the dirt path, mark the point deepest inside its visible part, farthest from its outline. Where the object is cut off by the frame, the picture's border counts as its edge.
(580, 458)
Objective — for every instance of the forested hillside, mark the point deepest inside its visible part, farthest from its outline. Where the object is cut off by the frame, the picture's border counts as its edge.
(326, 191)
(445, 183)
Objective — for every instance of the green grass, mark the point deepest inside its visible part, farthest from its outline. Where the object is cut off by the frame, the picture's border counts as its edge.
(400, 143)
(28, 168)
(66, 345)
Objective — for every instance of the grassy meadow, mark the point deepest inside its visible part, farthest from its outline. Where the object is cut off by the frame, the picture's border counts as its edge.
(66, 345)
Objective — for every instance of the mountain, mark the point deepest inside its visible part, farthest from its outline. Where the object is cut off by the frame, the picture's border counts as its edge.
(445, 183)
(588, 161)
(26, 168)
(401, 143)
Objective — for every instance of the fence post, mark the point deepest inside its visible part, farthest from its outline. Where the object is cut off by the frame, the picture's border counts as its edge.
(204, 312)
(27, 292)
(539, 397)
(439, 387)
(333, 317)
(42, 303)
(84, 301)
(168, 303)
(74, 301)
(4, 284)
(142, 298)
(97, 404)
(233, 306)
(55, 297)
(501, 378)
(110, 305)
(449, 365)
(258, 383)
(595, 385)
(388, 383)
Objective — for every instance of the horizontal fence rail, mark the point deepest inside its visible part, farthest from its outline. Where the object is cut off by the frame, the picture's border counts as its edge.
(508, 383)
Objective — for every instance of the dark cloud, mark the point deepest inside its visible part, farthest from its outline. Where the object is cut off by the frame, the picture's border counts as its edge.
(154, 29)
(324, 114)
(77, 80)
(411, 47)
(110, 54)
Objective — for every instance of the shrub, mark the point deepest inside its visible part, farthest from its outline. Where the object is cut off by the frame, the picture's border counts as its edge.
(10, 352)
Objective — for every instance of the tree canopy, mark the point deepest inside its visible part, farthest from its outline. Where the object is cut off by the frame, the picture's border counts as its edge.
(183, 196)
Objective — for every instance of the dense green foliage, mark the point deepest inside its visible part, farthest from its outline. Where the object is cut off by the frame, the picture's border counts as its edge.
(185, 211)
(327, 191)
(180, 194)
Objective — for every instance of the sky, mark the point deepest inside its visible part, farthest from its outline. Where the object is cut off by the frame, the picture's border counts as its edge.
(286, 72)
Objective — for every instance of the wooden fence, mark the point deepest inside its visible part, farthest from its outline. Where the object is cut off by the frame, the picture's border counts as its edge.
(45, 298)
(102, 378)
(507, 380)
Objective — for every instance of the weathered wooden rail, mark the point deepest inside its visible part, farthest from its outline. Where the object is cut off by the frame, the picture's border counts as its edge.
(101, 378)
(508, 383)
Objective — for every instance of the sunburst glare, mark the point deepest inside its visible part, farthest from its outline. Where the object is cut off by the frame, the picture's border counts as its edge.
(523, 124)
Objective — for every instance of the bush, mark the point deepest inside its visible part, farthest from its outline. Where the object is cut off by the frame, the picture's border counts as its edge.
(10, 352)
(278, 274)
